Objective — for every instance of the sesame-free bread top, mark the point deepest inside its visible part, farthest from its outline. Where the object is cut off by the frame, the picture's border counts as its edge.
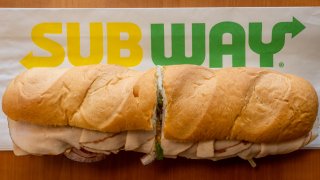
(247, 104)
(106, 98)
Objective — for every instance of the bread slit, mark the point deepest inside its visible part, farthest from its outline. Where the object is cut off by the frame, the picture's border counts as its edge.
(159, 114)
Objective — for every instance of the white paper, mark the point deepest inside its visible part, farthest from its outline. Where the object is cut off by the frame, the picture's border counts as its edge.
(300, 55)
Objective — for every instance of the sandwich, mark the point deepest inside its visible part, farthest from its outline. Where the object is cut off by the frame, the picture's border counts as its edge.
(174, 111)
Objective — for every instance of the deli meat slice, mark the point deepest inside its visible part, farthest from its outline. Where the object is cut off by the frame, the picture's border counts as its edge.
(136, 139)
(109, 143)
(285, 147)
(205, 149)
(18, 151)
(172, 148)
(221, 149)
(146, 147)
(81, 155)
(89, 136)
(40, 140)
(224, 144)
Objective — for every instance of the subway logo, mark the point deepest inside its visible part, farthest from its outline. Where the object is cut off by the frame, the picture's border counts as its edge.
(112, 36)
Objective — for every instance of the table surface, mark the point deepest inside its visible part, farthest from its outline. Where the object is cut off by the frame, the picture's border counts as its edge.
(303, 164)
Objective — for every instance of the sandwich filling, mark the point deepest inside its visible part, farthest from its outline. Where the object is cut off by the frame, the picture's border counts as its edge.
(44, 140)
(89, 146)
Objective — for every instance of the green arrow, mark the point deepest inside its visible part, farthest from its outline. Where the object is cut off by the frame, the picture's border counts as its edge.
(267, 50)
(294, 27)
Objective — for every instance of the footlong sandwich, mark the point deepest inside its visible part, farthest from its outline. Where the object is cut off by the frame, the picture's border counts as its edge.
(190, 111)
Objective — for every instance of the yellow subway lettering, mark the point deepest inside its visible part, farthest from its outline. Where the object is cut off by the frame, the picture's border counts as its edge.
(74, 48)
(55, 49)
(115, 44)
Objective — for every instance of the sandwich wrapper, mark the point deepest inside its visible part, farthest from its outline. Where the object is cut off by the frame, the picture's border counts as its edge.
(299, 55)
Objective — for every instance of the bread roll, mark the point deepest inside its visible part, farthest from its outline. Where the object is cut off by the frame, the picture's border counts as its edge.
(106, 98)
(246, 104)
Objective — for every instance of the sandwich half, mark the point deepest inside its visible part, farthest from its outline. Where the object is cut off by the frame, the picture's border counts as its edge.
(245, 112)
(85, 112)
